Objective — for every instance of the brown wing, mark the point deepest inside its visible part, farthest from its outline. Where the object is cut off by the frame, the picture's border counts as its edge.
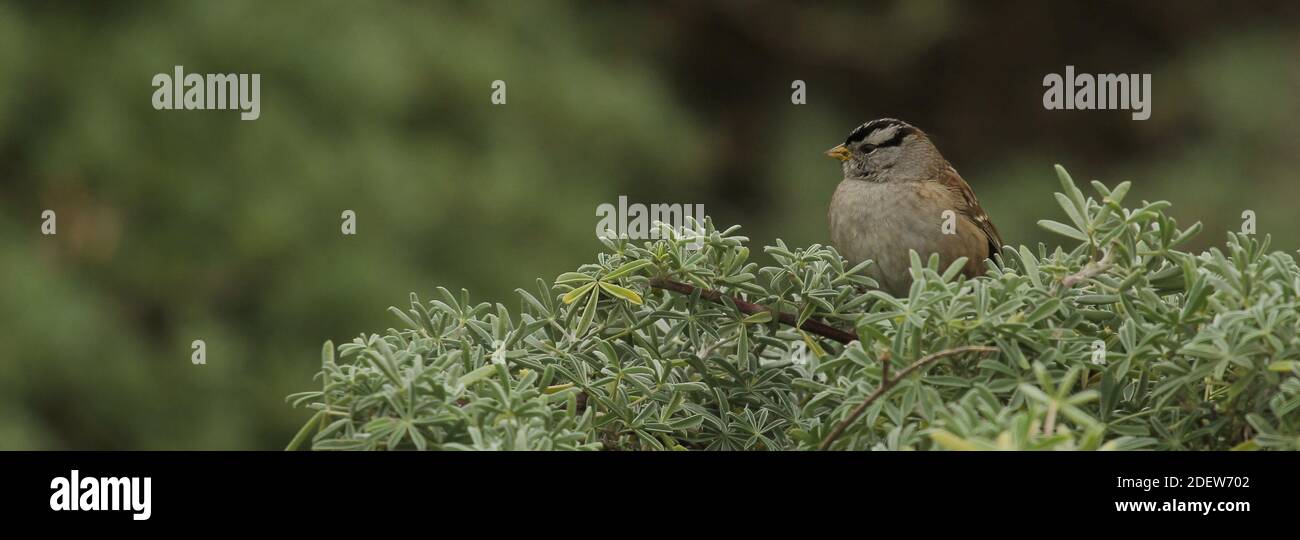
(972, 210)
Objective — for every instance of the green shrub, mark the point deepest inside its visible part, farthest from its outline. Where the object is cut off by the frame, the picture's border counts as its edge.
(1119, 342)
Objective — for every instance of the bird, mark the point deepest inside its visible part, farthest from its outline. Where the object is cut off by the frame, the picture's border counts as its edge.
(895, 196)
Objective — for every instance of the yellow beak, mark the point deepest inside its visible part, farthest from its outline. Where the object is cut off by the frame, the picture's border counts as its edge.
(840, 152)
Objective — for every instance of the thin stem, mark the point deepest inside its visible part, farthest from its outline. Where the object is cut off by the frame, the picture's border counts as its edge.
(887, 383)
(748, 308)
(1089, 271)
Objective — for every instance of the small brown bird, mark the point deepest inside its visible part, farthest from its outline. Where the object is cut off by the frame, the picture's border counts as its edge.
(897, 195)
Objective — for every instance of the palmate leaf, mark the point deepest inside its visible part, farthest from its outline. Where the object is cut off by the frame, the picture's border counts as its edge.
(620, 292)
(626, 269)
(1063, 229)
(588, 314)
(578, 293)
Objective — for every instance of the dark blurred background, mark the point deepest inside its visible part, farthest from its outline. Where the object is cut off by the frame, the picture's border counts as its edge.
(183, 225)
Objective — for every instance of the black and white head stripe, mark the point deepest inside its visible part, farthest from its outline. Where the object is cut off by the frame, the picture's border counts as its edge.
(889, 129)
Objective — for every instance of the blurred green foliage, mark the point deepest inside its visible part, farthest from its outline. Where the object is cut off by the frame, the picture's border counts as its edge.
(183, 225)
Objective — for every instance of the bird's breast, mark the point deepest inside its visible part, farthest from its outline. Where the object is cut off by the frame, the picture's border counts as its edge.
(883, 221)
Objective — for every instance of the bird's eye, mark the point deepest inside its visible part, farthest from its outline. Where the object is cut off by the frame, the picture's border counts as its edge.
(868, 148)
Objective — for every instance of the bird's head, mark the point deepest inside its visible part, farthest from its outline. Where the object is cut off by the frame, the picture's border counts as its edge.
(884, 146)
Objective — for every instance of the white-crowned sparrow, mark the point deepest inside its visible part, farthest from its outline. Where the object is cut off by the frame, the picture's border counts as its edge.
(895, 195)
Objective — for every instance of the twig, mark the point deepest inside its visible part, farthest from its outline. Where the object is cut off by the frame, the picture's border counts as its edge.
(1089, 271)
(748, 308)
(887, 383)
